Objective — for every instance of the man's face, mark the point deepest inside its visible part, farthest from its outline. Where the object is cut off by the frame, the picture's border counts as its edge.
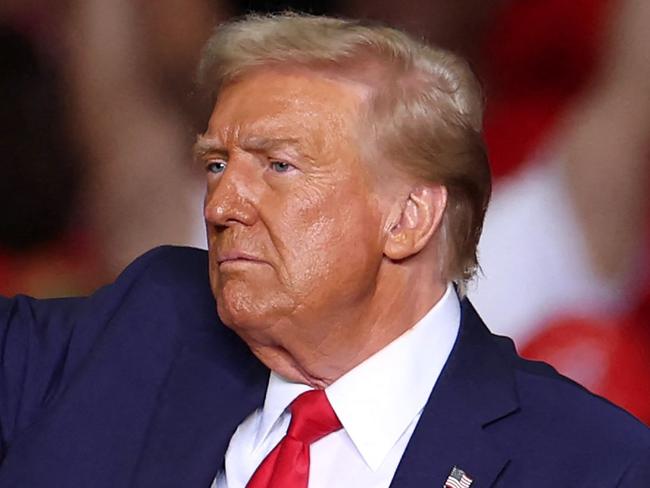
(295, 228)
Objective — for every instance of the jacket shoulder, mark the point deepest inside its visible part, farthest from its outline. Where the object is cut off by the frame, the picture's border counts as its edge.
(167, 265)
(172, 262)
(169, 285)
(566, 423)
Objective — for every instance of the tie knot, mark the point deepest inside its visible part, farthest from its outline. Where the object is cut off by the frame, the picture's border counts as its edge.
(312, 417)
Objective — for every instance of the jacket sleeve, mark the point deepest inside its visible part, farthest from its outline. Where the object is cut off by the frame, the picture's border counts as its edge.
(34, 339)
(43, 342)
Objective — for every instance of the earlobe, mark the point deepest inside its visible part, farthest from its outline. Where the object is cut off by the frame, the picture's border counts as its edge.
(418, 221)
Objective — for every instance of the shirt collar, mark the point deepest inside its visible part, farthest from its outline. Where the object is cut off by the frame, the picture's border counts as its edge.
(279, 395)
(377, 401)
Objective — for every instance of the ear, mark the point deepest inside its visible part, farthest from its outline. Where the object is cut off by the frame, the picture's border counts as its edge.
(419, 219)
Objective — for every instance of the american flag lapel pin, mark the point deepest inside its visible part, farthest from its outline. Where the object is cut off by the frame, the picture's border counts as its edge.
(458, 479)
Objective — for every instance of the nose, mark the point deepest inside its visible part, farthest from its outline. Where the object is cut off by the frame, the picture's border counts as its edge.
(230, 200)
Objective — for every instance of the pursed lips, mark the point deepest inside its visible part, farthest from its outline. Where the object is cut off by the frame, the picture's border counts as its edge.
(235, 256)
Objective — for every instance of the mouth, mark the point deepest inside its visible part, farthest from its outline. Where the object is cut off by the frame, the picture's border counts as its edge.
(238, 257)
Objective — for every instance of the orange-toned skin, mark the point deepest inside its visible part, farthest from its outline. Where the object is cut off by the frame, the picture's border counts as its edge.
(314, 261)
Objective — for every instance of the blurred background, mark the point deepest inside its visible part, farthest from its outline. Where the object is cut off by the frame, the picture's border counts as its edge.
(97, 119)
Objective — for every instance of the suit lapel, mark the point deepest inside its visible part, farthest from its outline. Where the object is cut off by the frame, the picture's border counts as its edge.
(210, 390)
(475, 389)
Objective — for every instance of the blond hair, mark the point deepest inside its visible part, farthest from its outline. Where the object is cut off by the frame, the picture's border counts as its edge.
(425, 113)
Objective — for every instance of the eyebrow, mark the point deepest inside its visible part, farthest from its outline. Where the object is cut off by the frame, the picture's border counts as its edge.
(205, 145)
(254, 143)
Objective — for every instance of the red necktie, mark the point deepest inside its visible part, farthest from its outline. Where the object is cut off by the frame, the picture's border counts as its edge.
(287, 465)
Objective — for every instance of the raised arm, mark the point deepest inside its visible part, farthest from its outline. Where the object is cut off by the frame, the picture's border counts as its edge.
(44, 342)
(35, 337)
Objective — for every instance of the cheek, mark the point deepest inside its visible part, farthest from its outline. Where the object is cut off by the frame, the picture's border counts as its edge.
(333, 239)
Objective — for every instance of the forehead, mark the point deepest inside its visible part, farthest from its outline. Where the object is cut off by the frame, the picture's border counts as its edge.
(296, 103)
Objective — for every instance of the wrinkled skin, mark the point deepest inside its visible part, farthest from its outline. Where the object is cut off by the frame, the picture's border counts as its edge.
(297, 225)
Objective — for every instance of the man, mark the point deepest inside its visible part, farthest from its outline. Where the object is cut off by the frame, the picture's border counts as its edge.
(346, 187)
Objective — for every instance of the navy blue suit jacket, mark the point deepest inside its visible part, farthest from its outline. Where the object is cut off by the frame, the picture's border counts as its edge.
(140, 385)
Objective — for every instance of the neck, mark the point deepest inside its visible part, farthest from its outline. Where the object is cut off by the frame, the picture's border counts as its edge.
(402, 296)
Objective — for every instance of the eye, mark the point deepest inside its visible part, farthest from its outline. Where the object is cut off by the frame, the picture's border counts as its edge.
(215, 167)
(281, 166)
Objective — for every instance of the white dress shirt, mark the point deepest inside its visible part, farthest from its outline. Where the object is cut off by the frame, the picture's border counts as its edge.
(379, 403)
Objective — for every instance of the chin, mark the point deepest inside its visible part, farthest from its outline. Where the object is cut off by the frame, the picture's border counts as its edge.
(245, 309)
(236, 310)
